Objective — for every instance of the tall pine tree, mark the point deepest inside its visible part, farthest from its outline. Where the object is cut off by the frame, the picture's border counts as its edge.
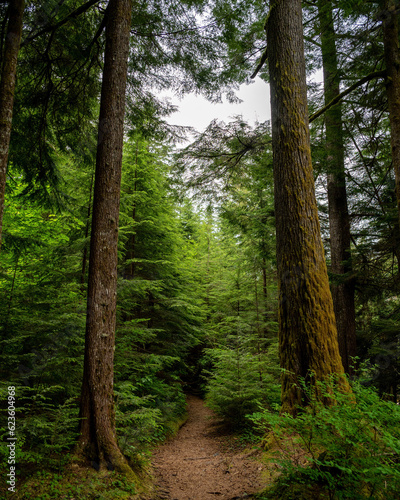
(98, 437)
(307, 328)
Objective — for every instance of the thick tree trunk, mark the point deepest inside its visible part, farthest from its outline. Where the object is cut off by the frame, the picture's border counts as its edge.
(7, 87)
(392, 60)
(307, 328)
(98, 437)
(339, 223)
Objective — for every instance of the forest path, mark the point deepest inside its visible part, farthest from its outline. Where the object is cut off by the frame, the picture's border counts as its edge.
(201, 464)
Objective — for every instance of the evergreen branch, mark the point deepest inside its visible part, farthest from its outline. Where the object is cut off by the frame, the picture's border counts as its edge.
(99, 31)
(53, 27)
(375, 189)
(339, 97)
(172, 33)
(312, 41)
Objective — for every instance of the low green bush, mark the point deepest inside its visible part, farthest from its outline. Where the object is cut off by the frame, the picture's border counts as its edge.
(46, 429)
(349, 450)
(142, 419)
(241, 383)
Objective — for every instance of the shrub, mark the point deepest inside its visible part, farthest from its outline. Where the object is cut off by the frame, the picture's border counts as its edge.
(46, 429)
(350, 450)
(240, 383)
(145, 419)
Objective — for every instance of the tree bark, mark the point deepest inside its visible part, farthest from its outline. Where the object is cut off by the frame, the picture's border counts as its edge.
(98, 436)
(85, 249)
(342, 287)
(307, 328)
(7, 88)
(392, 61)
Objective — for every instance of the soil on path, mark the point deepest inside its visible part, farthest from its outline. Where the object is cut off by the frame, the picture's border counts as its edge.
(201, 464)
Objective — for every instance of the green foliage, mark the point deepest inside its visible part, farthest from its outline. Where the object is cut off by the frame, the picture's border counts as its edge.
(47, 426)
(230, 164)
(349, 449)
(43, 317)
(243, 371)
(76, 483)
(56, 98)
(146, 414)
(242, 383)
(242, 30)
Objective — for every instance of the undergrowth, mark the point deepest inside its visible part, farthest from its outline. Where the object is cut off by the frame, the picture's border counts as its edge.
(48, 428)
(240, 383)
(74, 483)
(348, 450)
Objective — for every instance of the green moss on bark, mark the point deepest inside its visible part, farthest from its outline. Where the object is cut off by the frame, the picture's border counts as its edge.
(307, 327)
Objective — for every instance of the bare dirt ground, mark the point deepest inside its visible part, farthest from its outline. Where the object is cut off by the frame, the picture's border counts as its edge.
(201, 463)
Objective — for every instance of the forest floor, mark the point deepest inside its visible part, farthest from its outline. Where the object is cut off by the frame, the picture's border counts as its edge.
(203, 462)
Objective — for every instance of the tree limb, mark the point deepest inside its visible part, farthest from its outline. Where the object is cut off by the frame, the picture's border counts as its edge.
(53, 27)
(264, 57)
(99, 31)
(339, 97)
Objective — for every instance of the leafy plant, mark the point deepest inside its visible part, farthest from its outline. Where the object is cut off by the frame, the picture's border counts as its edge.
(241, 383)
(46, 429)
(348, 450)
(145, 417)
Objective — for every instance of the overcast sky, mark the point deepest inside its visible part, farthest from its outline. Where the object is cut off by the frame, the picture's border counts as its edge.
(197, 112)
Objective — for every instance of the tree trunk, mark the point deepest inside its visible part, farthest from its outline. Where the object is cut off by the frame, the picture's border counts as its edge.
(392, 61)
(7, 87)
(307, 328)
(85, 249)
(98, 436)
(339, 223)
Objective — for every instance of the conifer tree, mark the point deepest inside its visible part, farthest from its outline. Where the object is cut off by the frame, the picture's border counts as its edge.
(307, 328)
(98, 436)
(343, 286)
(392, 60)
(8, 69)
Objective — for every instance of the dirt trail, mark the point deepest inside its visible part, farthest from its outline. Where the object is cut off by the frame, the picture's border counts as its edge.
(198, 464)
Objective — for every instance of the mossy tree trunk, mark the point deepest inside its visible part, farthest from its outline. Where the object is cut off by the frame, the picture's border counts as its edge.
(307, 328)
(98, 436)
(392, 61)
(7, 86)
(342, 287)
